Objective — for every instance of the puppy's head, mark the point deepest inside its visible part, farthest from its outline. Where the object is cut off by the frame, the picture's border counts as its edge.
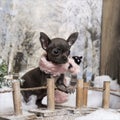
(57, 49)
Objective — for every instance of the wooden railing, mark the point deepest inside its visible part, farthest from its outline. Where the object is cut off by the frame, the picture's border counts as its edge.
(81, 94)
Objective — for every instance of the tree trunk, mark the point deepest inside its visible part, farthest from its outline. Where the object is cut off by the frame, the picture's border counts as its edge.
(110, 45)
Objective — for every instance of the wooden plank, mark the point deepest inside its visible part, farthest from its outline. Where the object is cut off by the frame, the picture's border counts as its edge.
(46, 113)
(110, 44)
(24, 116)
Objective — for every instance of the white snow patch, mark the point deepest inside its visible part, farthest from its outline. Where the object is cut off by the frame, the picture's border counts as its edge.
(31, 104)
(101, 115)
(6, 102)
(99, 80)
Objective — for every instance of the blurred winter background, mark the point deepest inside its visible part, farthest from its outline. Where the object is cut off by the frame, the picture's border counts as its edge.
(21, 22)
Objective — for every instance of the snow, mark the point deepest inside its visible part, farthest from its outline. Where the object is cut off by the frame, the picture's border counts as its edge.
(6, 103)
(94, 100)
(99, 80)
(101, 115)
(31, 104)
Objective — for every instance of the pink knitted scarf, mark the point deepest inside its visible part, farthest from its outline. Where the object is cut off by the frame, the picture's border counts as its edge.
(57, 69)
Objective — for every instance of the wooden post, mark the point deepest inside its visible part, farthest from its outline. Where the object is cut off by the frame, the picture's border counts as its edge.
(50, 94)
(85, 93)
(106, 95)
(17, 98)
(79, 94)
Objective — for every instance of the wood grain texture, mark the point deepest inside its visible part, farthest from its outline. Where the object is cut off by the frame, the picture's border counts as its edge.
(106, 95)
(79, 94)
(110, 45)
(50, 94)
(17, 98)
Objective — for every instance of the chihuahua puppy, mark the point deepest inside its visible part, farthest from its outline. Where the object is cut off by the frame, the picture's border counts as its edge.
(57, 52)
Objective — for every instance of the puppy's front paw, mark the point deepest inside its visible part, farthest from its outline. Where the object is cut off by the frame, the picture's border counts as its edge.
(71, 89)
(62, 88)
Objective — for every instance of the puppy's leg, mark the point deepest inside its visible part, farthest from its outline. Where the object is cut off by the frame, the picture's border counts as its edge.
(72, 86)
(60, 84)
(39, 103)
(26, 96)
(40, 96)
(67, 89)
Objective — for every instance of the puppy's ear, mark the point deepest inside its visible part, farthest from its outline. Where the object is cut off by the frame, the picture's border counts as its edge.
(72, 38)
(44, 40)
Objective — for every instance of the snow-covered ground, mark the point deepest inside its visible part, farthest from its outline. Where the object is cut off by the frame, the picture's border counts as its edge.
(94, 100)
(101, 114)
(6, 102)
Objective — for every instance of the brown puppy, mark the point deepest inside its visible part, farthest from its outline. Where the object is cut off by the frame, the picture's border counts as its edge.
(57, 51)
